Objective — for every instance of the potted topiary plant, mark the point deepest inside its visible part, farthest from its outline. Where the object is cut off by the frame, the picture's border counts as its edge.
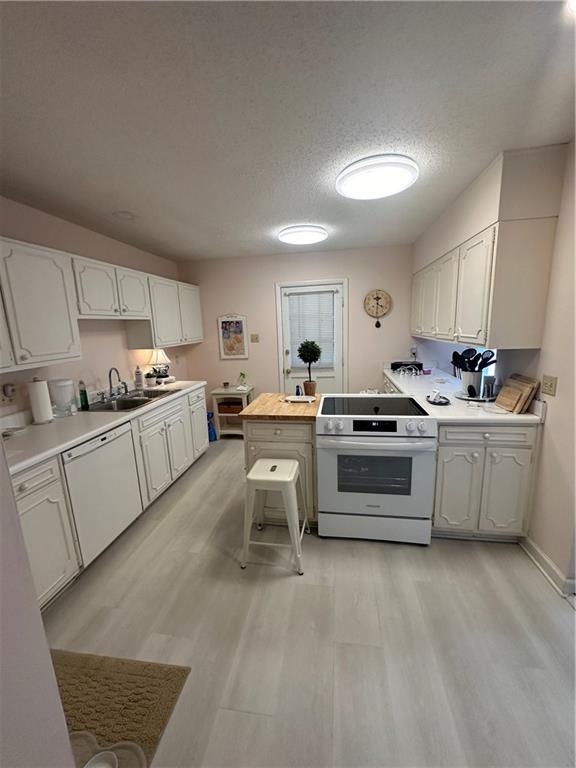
(309, 352)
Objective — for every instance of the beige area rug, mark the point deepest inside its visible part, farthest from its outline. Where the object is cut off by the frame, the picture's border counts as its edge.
(118, 700)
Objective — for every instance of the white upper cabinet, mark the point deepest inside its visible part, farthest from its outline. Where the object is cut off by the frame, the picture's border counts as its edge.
(133, 294)
(447, 270)
(190, 312)
(6, 354)
(38, 289)
(474, 273)
(96, 288)
(165, 312)
(416, 309)
(428, 301)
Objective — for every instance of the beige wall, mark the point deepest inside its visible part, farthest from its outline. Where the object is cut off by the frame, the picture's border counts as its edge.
(33, 731)
(552, 524)
(103, 341)
(246, 286)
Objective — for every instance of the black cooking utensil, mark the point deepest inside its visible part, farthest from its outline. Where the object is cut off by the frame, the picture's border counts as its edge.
(457, 363)
(466, 356)
(473, 362)
(487, 355)
(471, 391)
(487, 364)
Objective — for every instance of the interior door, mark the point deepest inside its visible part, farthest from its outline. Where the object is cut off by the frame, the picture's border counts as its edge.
(312, 312)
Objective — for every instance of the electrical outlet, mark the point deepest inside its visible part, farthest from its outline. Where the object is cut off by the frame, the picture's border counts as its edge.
(549, 384)
(7, 394)
(255, 338)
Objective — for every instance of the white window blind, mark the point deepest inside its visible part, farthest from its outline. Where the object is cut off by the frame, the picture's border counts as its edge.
(312, 317)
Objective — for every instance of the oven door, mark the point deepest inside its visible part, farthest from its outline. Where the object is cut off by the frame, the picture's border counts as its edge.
(374, 476)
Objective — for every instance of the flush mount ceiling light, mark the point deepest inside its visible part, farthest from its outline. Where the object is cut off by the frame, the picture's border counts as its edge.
(302, 234)
(378, 176)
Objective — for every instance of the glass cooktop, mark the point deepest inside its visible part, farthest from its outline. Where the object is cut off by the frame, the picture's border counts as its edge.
(371, 406)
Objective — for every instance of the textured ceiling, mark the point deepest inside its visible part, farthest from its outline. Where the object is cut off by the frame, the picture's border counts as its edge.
(219, 123)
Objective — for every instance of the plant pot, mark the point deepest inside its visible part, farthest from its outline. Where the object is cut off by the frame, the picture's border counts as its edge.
(310, 388)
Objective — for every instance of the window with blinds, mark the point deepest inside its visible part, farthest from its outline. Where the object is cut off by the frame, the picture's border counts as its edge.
(311, 316)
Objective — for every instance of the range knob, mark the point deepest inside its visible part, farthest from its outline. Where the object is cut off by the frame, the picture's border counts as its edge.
(339, 426)
(421, 427)
(410, 426)
(329, 426)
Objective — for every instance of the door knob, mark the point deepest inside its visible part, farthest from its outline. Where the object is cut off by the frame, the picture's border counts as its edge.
(287, 371)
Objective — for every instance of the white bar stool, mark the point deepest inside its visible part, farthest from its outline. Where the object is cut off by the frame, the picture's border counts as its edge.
(275, 475)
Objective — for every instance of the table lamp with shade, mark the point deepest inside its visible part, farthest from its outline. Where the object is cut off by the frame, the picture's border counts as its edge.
(160, 363)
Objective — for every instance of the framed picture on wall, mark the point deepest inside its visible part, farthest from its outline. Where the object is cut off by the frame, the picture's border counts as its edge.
(233, 337)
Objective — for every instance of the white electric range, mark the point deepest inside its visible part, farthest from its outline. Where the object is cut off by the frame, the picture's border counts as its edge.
(376, 462)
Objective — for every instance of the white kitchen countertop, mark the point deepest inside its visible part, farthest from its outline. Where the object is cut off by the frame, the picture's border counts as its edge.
(43, 441)
(459, 411)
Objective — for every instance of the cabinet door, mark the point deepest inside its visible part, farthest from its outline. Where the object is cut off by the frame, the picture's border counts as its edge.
(179, 434)
(474, 278)
(303, 453)
(190, 312)
(156, 460)
(199, 422)
(165, 312)
(49, 542)
(6, 354)
(447, 276)
(505, 490)
(38, 288)
(96, 288)
(133, 293)
(416, 307)
(458, 488)
(428, 301)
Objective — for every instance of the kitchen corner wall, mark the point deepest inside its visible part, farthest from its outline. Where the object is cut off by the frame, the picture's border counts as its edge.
(103, 341)
(551, 528)
(247, 286)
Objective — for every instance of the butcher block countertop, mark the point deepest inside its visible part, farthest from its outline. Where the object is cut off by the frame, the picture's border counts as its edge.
(271, 406)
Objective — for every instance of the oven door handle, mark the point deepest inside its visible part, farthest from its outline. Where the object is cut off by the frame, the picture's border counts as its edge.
(411, 446)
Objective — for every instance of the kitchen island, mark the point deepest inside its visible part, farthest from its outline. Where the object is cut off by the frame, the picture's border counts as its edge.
(274, 428)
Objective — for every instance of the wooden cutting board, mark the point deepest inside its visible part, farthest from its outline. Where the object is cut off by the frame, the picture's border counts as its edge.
(530, 387)
(509, 397)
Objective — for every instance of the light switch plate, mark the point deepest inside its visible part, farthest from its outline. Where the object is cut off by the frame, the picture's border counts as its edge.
(549, 384)
(254, 338)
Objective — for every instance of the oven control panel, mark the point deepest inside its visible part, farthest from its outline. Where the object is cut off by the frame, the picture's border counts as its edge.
(370, 427)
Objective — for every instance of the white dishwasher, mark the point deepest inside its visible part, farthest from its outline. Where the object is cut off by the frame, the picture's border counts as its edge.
(104, 491)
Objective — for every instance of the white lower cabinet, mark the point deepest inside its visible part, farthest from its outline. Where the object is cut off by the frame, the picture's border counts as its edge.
(458, 488)
(167, 443)
(505, 490)
(156, 461)
(47, 528)
(482, 488)
(179, 436)
(199, 424)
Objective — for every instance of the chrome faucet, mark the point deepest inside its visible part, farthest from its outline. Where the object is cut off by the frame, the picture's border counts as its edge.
(123, 383)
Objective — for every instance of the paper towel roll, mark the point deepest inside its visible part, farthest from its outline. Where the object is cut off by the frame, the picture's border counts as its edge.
(40, 402)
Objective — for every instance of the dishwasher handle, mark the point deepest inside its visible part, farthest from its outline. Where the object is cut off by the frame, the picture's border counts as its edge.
(97, 442)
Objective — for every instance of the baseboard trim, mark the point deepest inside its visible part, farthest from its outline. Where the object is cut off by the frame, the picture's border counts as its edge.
(562, 584)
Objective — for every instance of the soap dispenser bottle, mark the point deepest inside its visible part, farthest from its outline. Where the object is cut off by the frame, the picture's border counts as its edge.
(138, 378)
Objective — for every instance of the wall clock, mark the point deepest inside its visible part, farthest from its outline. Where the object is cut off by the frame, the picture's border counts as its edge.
(377, 303)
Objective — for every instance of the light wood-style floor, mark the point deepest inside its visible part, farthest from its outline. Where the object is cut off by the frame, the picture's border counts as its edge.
(457, 654)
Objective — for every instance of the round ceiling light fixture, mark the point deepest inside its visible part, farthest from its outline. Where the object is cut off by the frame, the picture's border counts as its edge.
(302, 234)
(378, 176)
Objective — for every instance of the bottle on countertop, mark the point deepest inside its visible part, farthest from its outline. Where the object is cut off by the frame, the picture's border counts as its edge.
(84, 405)
(298, 390)
(138, 378)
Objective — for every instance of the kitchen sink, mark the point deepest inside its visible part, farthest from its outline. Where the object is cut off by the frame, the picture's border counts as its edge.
(131, 400)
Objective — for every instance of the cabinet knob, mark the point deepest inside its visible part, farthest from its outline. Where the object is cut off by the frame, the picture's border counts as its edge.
(116, 310)
(277, 431)
(252, 448)
(23, 357)
(475, 455)
(23, 487)
(486, 435)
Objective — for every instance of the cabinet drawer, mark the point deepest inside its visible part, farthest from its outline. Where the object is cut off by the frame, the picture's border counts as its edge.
(35, 478)
(278, 430)
(519, 436)
(197, 397)
(160, 414)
